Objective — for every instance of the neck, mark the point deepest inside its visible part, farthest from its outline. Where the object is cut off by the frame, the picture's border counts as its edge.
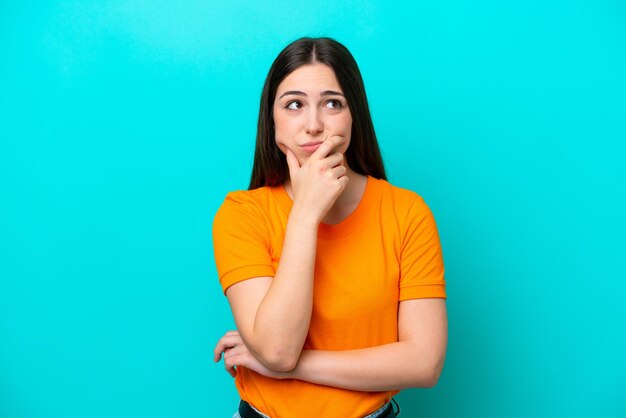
(353, 192)
(347, 201)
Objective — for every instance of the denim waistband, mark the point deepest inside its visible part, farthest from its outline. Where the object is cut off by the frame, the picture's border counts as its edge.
(248, 411)
(380, 411)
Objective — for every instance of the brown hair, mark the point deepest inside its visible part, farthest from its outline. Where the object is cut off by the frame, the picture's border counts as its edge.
(363, 155)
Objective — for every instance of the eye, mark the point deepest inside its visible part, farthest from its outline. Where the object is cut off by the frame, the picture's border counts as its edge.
(334, 104)
(293, 105)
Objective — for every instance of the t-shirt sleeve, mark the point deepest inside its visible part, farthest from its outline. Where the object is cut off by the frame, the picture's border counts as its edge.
(240, 241)
(421, 264)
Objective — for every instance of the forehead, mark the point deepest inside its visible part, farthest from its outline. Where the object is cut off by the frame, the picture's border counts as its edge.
(310, 78)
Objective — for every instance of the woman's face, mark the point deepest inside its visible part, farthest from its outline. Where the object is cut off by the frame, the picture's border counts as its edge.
(309, 108)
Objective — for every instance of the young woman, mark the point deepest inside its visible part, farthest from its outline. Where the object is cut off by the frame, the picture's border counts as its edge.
(335, 277)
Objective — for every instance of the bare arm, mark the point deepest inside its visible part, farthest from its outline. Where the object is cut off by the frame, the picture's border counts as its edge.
(416, 360)
(273, 314)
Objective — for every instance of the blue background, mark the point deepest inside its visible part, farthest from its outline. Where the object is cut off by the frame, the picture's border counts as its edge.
(124, 123)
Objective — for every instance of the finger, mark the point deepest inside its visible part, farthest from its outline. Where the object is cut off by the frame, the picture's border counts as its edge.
(337, 172)
(233, 352)
(344, 180)
(230, 365)
(226, 342)
(333, 160)
(327, 146)
(220, 347)
(217, 352)
(230, 338)
(292, 163)
(231, 370)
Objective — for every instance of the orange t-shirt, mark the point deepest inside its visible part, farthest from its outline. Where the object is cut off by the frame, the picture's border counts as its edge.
(385, 252)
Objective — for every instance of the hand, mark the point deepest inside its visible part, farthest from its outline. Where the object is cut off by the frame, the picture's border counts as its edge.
(320, 180)
(237, 354)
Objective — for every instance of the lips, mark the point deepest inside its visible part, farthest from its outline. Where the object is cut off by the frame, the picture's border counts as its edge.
(310, 147)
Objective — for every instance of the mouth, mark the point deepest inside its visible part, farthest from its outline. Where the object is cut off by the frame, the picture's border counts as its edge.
(310, 147)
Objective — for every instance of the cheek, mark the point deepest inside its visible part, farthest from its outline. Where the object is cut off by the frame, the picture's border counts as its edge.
(345, 146)
(281, 146)
(343, 125)
(346, 131)
(278, 132)
(280, 139)
(282, 126)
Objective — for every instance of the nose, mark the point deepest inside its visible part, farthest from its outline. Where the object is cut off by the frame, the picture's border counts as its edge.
(314, 124)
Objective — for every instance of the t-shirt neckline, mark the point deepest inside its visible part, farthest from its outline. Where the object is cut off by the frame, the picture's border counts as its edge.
(350, 223)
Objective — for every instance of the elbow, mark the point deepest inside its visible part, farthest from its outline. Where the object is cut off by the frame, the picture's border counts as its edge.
(426, 379)
(279, 357)
(432, 379)
(427, 375)
(433, 374)
(282, 365)
(280, 360)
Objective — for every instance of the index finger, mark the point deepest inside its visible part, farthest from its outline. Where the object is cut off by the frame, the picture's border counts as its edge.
(327, 146)
(229, 340)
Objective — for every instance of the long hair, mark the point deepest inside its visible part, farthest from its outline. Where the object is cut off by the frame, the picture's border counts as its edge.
(363, 154)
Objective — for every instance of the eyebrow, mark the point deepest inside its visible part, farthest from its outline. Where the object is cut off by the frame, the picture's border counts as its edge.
(301, 93)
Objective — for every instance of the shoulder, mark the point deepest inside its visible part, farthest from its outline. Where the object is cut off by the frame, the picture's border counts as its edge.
(405, 203)
(248, 197)
(239, 200)
(244, 205)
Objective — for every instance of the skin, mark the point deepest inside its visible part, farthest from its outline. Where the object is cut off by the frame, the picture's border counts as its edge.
(313, 124)
(309, 108)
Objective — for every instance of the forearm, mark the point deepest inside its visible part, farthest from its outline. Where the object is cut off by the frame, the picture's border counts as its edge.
(387, 367)
(282, 319)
